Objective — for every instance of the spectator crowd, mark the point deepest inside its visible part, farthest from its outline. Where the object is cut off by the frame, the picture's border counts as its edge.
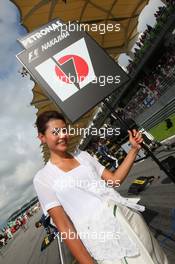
(8, 231)
(149, 35)
(153, 85)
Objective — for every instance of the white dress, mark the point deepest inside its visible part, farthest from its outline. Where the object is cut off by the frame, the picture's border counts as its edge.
(90, 205)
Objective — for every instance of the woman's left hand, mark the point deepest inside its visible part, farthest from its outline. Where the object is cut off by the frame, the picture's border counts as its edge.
(135, 138)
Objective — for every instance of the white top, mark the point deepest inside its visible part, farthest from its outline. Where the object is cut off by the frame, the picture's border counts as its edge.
(83, 195)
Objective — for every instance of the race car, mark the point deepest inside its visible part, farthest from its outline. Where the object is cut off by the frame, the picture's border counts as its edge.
(140, 184)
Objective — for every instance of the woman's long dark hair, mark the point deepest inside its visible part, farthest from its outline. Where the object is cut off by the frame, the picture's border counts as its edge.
(45, 117)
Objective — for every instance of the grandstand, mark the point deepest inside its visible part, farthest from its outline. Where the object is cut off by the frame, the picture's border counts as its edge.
(152, 98)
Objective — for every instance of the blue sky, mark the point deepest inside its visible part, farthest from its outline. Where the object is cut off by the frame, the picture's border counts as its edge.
(20, 155)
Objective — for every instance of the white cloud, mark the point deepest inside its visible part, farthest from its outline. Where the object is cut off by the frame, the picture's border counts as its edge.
(9, 33)
(147, 14)
(20, 155)
(146, 17)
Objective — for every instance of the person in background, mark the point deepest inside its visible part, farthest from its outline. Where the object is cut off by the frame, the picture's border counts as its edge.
(104, 151)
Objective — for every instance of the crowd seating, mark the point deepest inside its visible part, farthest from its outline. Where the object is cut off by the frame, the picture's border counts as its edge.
(153, 85)
(149, 35)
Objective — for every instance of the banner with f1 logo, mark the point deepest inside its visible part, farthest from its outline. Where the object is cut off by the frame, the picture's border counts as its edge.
(71, 68)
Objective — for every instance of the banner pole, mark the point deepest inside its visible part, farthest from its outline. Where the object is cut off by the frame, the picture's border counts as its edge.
(60, 250)
(155, 159)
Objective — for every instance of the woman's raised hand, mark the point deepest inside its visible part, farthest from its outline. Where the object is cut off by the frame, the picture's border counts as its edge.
(135, 138)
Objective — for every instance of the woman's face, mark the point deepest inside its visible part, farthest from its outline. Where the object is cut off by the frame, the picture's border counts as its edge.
(55, 136)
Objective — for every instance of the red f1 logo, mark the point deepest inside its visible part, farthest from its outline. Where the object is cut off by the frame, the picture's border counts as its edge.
(69, 70)
(79, 69)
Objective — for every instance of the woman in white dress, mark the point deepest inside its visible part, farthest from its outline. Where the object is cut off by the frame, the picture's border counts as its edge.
(97, 224)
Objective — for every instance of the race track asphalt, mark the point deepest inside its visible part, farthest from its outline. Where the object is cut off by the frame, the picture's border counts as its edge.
(24, 248)
(158, 198)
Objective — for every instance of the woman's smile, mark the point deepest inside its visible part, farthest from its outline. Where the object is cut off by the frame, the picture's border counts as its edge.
(62, 142)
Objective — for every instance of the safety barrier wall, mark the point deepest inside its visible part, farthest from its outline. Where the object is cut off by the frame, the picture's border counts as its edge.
(161, 110)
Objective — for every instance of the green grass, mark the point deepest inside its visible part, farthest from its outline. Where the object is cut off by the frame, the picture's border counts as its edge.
(160, 131)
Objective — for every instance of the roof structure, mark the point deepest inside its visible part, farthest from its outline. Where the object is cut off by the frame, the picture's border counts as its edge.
(35, 13)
